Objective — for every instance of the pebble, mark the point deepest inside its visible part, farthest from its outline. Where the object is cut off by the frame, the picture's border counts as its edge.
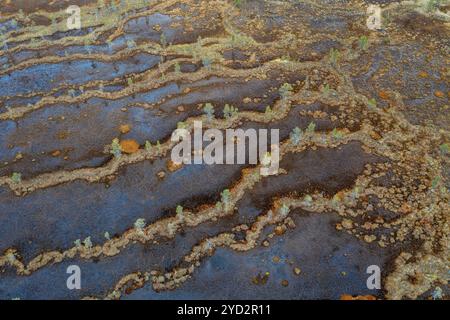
(161, 174)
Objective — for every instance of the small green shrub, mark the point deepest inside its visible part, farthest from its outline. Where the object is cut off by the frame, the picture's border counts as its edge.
(334, 56)
(363, 43)
(225, 196)
(229, 111)
(285, 90)
(311, 128)
(296, 135)
(337, 134)
(372, 103)
(208, 109)
(148, 146)
(139, 224)
(16, 177)
(87, 243)
(444, 148)
(116, 149)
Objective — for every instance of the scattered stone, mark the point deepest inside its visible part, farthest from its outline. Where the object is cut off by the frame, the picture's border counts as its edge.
(369, 238)
(261, 279)
(347, 223)
(125, 128)
(56, 153)
(279, 230)
(172, 166)
(161, 174)
(297, 271)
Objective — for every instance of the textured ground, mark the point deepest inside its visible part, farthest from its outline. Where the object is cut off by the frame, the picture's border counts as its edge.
(368, 186)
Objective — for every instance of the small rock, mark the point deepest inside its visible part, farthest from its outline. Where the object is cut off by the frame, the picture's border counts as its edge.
(161, 174)
(124, 128)
(279, 230)
(172, 166)
(369, 238)
(347, 223)
(56, 153)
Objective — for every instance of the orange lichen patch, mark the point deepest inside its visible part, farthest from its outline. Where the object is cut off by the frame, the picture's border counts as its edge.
(405, 208)
(172, 166)
(56, 153)
(279, 230)
(284, 283)
(423, 74)
(439, 94)
(125, 128)
(129, 146)
(375, 135)
(383, 95)
(350, 297)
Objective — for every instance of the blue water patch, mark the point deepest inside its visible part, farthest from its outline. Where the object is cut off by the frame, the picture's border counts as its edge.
(45, 77)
